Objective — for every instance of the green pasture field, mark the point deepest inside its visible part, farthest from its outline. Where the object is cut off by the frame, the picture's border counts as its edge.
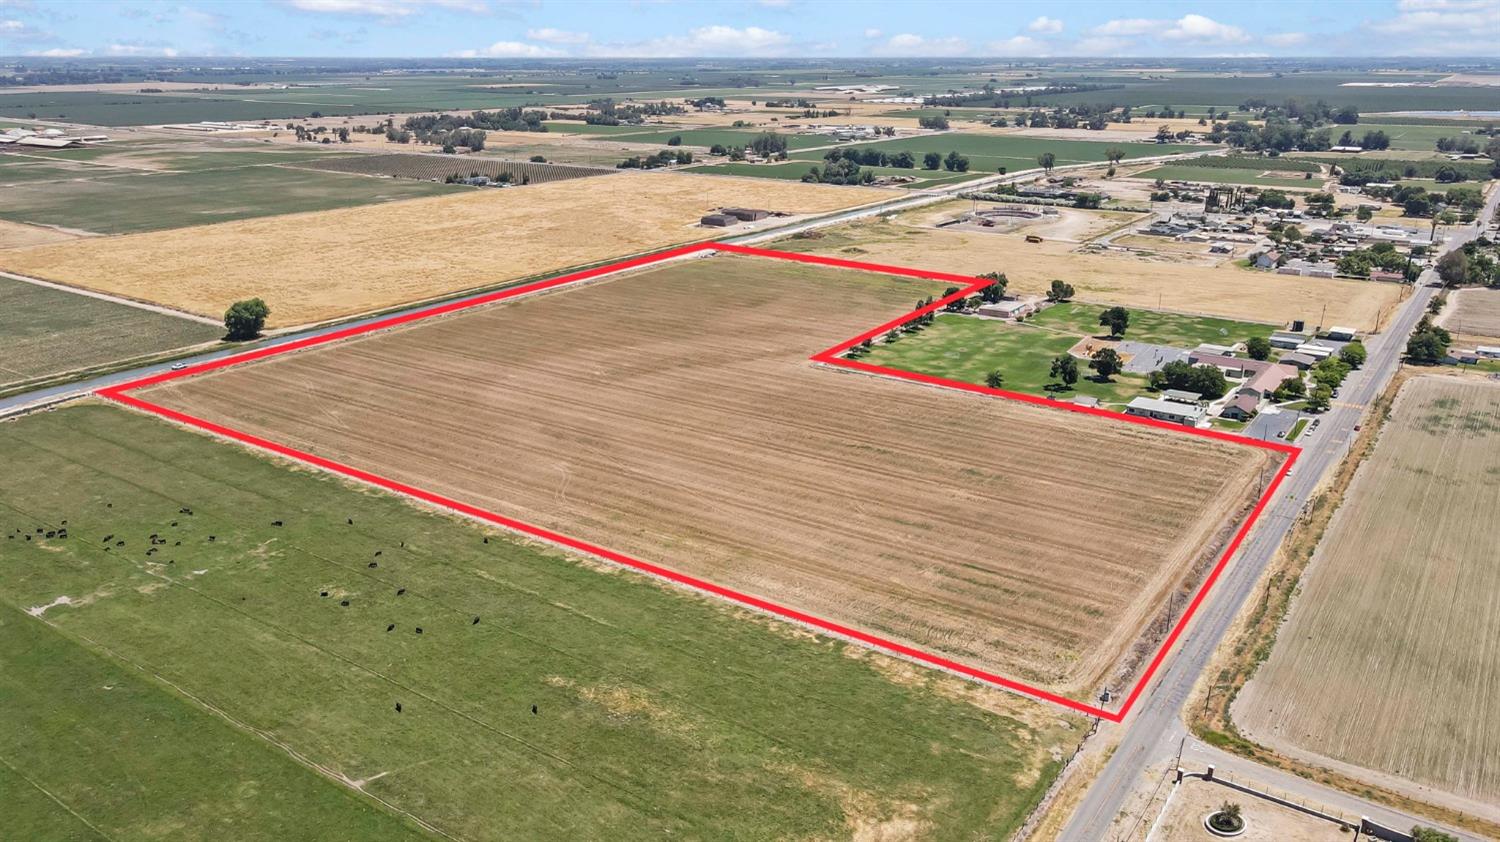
(120, 204)
(794, 171)
(181, 157)
(1212, 175)
(1153, 326)
(656, 712)
(92, 748)
(988, 152)
(15, 170)
(579, 127)
(968, 349)
(47, 331)
(1417, 138)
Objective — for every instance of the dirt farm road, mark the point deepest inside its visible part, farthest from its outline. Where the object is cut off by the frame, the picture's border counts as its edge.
(1156, 729)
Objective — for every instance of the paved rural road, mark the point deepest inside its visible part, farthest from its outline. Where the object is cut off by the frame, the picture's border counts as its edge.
(1155, 728)
(42, 397)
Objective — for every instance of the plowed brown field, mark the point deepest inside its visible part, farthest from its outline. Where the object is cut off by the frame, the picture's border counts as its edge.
(1389, 660)
(673, 415)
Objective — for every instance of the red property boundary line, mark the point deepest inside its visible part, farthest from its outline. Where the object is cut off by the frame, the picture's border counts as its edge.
(968, 285)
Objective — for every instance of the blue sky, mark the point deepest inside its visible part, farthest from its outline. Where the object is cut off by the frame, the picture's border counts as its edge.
(757, 28)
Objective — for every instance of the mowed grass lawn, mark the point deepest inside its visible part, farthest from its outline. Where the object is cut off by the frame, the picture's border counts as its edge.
(1212, 175)
(46, 331)
(656, 712)
(121, 204)
(968, 349)
(1152, 326)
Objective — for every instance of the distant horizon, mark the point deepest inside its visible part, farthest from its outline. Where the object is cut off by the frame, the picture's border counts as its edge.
(876, 29)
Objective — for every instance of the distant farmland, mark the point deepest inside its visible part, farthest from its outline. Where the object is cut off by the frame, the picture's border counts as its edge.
(673, 416)
(238, 679)
(440, 167)
(1390, 656)
(46, 331)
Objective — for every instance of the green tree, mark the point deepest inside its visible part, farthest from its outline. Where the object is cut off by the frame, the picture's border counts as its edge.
(932, 160)
(1059, 291)
(1107, 363)
(1116, 319)
(244, 319)
(996, 290)
(1047, 161)
(1353, 354)
(674, 140)
(1065, 368)
(1320, 399)
(1453, 268)
(1258, 347)
(994, 379)
(1420, 833)
(956, 162)
(1113, 154)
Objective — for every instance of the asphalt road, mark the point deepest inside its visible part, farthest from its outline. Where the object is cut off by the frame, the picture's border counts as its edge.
(1155, 729)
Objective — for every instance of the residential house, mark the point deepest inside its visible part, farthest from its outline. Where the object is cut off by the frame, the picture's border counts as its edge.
(1163, 410)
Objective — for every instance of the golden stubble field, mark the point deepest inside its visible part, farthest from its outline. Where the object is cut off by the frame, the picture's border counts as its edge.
(1167, 284)
(673, 415)
(317, 266)
(1389, 659)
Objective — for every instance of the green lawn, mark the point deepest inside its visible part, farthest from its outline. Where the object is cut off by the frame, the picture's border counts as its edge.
(1297, 428)
(658, 713)
(1210, 175)
(47, 331)
(968, 349)
(20, 170)
(121, 204)
(1152, 326)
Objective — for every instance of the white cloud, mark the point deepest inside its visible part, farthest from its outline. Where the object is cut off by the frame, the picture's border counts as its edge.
(18, 30)
(511, 49)
(386, 8)
(139, 50)
(59, 52)
(1019, 45)
(1199, 29)
(557, 36)
(873, 33)
(715, 41)
(1436, 18)
(1286, 39)
(1127, 26)
(907, 44)
(1044, 24)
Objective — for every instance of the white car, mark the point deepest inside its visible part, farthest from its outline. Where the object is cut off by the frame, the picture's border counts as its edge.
(179, 366)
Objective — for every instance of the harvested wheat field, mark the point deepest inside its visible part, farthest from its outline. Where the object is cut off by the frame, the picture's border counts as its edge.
(1389, 660)
(1473, 316)
(1165, 284)
(315, 266)
(17, 234)
(673, 415)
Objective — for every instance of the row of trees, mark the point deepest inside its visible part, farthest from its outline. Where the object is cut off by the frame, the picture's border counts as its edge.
(1475, 263)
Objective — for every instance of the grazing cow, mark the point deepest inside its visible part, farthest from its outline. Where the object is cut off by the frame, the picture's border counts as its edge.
(476, 622)
(398, 707)
(391, 627)
(275, 523)
(400, 591)
(378, 552)
(486, 540)
(324, 593)
(351, 521)
(373, 564)
(344, 602)
(533, 710)
(419, 629)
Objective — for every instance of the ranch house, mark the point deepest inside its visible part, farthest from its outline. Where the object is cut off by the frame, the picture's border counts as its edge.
(1188, 414)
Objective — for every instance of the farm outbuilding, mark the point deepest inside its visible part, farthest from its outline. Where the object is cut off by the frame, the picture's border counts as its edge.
(746, 214)
(718, 220)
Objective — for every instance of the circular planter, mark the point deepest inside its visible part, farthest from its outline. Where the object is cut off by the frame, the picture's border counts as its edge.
(1227, 834)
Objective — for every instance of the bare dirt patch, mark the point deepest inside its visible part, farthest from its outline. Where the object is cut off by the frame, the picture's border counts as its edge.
(1473, 316)
(315, 266)
(674, 416)
(18, 234)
